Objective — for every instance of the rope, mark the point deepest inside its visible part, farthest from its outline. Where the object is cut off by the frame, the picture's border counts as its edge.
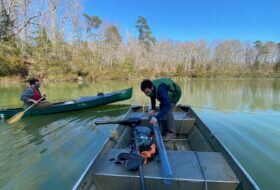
(113, 137)
(205, 183)
(181, 128)
(110, 110)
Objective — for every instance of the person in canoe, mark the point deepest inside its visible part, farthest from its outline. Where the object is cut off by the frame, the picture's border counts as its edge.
(32, 94)
(168, 93)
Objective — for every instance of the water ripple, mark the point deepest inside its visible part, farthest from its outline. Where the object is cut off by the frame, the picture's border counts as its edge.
(50, 152)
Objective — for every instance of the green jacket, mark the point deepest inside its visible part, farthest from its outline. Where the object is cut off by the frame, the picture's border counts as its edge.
(174, 90)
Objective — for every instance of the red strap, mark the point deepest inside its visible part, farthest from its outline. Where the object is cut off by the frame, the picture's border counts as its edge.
(37, 94)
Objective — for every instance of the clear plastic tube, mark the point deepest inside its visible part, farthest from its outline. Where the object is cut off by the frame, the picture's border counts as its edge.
(167, 172)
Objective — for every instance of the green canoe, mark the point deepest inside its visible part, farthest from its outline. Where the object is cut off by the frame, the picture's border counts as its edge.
(72, 105)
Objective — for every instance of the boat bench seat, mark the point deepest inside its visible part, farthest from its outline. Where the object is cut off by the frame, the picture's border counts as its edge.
(192, 170)
(183, 123)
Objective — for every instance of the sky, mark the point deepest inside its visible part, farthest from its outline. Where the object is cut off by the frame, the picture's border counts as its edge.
(187, 20)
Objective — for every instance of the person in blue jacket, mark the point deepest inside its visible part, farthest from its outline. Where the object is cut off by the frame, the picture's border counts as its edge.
(31, 94)
(168, 93)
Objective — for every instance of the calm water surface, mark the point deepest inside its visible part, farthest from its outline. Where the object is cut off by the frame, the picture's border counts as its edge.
(51, 151)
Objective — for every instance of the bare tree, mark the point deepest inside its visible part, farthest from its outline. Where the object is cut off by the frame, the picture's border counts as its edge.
(52, 4)
(75, 7)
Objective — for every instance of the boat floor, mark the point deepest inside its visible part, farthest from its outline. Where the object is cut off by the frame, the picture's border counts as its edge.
(192, 170)
(181, 143)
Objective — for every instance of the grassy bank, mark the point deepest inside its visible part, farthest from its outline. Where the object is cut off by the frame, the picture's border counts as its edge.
(127, 74)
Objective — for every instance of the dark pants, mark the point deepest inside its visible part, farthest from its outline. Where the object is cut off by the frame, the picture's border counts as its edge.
(167, 123)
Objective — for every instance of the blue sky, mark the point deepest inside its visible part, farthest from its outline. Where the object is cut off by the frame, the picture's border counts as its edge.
(185, 20)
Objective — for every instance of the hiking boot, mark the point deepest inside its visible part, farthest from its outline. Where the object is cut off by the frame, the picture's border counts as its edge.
(169, 136)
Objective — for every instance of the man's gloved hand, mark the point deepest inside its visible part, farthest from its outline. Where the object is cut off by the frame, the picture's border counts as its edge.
(153, 121)
(152, 112)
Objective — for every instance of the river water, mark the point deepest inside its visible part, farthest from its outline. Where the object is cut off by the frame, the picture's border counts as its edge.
(51, 151)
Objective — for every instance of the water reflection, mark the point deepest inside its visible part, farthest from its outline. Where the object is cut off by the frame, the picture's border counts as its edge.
(238, 94)
(51, 151)
(253, 138)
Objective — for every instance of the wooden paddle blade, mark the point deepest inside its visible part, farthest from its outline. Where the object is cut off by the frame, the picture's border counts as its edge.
(15, 118)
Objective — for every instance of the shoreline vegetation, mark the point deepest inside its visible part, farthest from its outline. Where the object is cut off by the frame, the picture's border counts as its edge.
(60, 42)
(107, 76)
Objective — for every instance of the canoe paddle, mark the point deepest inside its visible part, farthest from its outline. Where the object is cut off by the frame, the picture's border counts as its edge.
(19, 115)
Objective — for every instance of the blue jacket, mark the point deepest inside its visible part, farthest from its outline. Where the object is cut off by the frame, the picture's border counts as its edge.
(162, 97)
(26, 95)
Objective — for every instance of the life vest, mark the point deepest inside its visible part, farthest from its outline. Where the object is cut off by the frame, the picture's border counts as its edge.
(148, 155)
(37, 94)
(147, 147)
(174, 90)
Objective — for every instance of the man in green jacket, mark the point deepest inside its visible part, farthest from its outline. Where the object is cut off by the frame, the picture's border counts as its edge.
(168, 93)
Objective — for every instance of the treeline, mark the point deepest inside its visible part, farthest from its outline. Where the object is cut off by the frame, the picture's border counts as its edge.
(56, 40)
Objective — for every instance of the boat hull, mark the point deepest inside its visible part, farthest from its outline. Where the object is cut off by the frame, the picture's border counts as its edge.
(197, 158)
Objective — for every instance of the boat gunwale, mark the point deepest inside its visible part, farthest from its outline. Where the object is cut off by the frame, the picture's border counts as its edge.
(91, 163)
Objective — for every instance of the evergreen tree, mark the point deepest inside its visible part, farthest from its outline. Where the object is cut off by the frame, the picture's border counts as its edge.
(92, 22)
(41, 43)
(112, 36)
(277, 64)
(145, 33)
(259, 50)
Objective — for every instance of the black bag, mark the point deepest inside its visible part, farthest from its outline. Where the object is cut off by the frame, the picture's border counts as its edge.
(130, 160)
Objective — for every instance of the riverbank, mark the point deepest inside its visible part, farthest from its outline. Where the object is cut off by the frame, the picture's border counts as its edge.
(98, 61)
(123, 74)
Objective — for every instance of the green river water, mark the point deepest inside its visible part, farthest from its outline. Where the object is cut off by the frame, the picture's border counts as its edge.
(52, 151)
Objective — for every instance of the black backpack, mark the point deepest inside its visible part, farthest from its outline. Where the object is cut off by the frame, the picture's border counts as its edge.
(130, 160)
